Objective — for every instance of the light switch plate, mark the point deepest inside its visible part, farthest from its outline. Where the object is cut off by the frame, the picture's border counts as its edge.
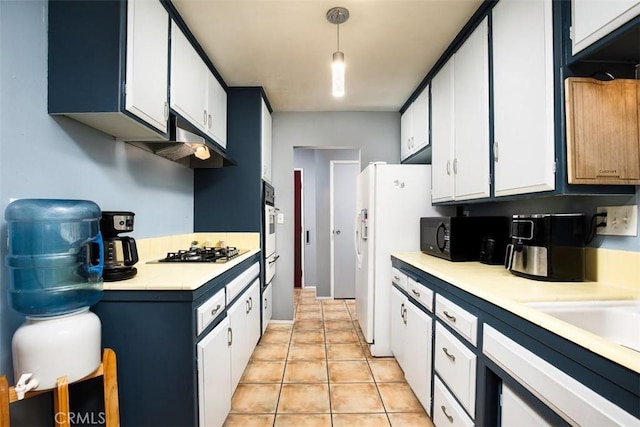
(621, 221)
(280, 218)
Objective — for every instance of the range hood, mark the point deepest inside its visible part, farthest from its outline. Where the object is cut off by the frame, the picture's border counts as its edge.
(187, 147)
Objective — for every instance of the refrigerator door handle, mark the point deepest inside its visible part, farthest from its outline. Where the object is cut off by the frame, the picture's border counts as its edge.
(356, 239)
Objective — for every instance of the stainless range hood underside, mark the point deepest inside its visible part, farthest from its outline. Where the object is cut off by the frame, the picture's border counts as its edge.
(181, 147)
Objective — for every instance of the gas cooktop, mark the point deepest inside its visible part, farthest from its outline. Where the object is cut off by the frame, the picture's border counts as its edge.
(205, 254)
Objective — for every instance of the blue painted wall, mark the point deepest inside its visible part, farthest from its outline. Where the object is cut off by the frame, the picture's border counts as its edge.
(568, 204)
(46, 157)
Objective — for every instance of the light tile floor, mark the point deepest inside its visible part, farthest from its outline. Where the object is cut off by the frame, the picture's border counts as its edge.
(317, 372)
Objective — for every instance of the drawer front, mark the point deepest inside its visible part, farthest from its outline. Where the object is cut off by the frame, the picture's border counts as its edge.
(463, 322)
(242, 281)
(446, 411)
(420, 293)
(399, 278)
(208, 311)
(456, 365)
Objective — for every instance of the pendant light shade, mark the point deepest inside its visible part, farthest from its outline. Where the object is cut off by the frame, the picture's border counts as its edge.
(337, 15)
(337, 74)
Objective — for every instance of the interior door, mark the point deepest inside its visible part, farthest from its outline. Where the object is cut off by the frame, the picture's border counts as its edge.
(297, 229)
(343, 191)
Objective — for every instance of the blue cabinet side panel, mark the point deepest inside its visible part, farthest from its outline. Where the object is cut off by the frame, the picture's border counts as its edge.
(86, 55)
(229, 199)
(155, 354)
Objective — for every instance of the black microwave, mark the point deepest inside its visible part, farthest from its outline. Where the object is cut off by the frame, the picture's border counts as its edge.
(465, 238)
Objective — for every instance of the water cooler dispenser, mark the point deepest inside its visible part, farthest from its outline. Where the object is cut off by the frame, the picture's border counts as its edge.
(55, 259)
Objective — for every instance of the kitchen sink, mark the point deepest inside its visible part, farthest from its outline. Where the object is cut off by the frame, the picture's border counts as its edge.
(616, 321)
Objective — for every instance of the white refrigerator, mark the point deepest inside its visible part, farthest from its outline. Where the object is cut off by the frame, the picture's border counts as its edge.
(390, 199)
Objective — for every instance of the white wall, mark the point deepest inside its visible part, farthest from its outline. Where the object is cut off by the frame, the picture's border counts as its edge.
(46, 157)
(376, 134)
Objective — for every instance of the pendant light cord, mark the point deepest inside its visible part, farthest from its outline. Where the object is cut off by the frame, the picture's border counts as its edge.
(338, 38)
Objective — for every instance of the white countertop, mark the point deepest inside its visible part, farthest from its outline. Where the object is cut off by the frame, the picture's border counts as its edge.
(500, 287)
(172, 276)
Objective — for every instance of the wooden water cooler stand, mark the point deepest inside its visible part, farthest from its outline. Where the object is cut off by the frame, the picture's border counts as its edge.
(107, 370)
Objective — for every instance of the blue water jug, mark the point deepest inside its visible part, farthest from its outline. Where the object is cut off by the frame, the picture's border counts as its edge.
(55, 255)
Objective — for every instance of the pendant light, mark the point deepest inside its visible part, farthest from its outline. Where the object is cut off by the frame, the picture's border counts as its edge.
(337, 15)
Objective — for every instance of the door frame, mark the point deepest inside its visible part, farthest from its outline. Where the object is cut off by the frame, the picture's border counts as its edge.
(332, 163)
(302, 225)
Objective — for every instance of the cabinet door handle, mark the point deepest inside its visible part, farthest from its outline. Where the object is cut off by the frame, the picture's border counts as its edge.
(250, 303)
(450, 317)
(402, 311)
(247, 309)
(495, 151)
(404, 316)
(204, 119)
(210, 121)
(449, 417)
(416, 293)
(166, 111)
(455, 165)
(215, 310)
(265, 303)
(448, 167)
(449, 355)
(229, 336)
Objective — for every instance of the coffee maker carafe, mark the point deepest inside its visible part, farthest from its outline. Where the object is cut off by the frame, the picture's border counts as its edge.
(120, 252)
(547, 247)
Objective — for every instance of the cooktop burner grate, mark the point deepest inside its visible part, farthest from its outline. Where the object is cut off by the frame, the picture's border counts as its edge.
(206, 254)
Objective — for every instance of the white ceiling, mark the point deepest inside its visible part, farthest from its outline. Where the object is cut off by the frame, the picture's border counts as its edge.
(286, 47)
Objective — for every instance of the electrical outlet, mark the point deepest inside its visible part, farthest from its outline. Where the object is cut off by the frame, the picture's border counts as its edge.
(621, 221)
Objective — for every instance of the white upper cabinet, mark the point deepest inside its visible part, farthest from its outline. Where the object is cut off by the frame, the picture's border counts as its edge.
(414, 126)
(196, 94)
(524, 145)
(266, 132)
(147, 58)
(406, 133)
(471, 116)
(188, 80)
(592, 20)
(443, 133)
(216, 110)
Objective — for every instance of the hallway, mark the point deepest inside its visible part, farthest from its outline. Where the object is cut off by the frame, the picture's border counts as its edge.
(316, 372)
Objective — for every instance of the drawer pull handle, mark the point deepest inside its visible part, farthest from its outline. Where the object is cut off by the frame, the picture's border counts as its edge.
(229, 336)
(215, 310)
(449, 355)
(449, 417)
(416, 293)
(404, 316)
(396, 278)
(402, 311)
(247, 309)
(450, 317)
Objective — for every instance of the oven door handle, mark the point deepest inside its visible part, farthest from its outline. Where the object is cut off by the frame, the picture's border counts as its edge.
(274, 260)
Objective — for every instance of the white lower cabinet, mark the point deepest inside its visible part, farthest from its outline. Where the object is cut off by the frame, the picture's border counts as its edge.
(570, 399)
(267, 306)
(223, 355)
(411, 337)
(456, 365)
(214, 359)
(417, 369)
(516, 412)
(398, 329)
(446, 411)
(244, 319)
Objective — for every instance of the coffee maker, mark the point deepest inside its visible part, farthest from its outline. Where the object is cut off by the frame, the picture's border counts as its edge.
(547, 247)
(120, 252)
